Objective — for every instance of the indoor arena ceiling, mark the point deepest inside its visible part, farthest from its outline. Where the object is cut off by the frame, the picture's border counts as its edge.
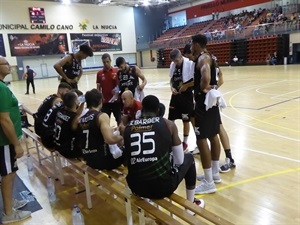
(130, 3)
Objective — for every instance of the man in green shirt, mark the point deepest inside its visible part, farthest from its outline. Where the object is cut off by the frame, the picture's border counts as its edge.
(10, 147)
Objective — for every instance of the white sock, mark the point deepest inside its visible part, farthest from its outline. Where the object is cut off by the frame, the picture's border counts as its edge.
(215, 167)
(190, 194)
(208, 175)
(185, 138)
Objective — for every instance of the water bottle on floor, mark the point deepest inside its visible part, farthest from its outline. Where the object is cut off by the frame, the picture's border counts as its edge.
(74, 212)
(77, 218)
(30, 165)
(51, 190)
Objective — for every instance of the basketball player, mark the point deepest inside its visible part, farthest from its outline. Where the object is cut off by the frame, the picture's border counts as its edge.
(69, 67)
(10, 147)
(107, 81)
(181, 82)
(30, 74)
(229, 161)
(65, 127)
(48, 124)
(149, 141)
(96, 134)
(47, 104)
(131, 110)
(129, 78)
(207, 123)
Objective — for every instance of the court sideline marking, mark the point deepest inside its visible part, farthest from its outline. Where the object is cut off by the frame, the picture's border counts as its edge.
(255, 179)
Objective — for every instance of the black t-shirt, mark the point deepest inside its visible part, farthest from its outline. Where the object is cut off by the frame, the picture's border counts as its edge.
(128, 80)
(148, 144)
(72, 70)
(30, 74)
(64, 134)
(91, 139)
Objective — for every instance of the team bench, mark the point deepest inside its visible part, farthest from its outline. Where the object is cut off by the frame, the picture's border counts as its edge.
(170, 211)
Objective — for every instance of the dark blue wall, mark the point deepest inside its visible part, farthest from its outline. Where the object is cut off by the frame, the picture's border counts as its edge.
(149, 23)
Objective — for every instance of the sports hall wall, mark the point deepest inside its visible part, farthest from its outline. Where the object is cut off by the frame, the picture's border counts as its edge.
(79, 20)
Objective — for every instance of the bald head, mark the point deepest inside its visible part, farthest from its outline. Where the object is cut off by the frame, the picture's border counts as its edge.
(127, 98)
(4, 68)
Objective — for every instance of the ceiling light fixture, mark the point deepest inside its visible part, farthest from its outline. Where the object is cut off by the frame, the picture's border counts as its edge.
(146, 2)
(66, 2)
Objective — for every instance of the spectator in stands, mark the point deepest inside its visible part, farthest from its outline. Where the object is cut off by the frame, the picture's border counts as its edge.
(274, 59)
(268, 59)
(208, 35)
(217, 15)
(213, 15)
(256, 31)
(156, 176)
(96, 134)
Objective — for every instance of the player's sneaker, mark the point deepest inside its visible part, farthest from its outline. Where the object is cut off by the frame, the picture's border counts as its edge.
(16, 216)
(228, 165)
(205, 188)
(185, 147)
(195, 151)
(199, 202)
(18, 204)
(216, 177)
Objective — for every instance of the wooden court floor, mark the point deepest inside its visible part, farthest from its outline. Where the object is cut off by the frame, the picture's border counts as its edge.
(262, 121)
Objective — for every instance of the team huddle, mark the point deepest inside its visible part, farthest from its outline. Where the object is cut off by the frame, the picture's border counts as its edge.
(78, 125)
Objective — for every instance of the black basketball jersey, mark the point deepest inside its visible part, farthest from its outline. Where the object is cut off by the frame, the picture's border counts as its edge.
(177, 78)
(148, 144)
(91, 139)
(64, 134)
(199, 95)
(50, 117)
(45, 106)
(72, 69)
(128, 80)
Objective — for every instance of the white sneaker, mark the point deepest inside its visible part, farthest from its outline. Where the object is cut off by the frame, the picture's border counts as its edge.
(195, 151)
(205, 188)
(198, 202)
(216, 178)
(16, 216)
(18, 204)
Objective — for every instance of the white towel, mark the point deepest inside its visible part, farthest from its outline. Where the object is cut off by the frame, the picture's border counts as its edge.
(214, 98)
(115, 151)
(139, 95)
(187, 70)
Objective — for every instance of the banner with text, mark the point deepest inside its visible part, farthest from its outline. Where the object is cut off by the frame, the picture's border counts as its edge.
(2, 49)
(37, 44)
(99, 42)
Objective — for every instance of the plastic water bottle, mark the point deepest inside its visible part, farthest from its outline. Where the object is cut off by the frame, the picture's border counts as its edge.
(30, 165)
(78, 218)
(74, 211)
(51, 190)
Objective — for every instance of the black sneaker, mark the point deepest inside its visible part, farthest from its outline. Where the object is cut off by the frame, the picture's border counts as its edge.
(227, 166)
